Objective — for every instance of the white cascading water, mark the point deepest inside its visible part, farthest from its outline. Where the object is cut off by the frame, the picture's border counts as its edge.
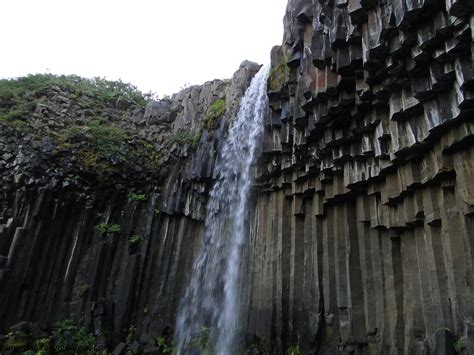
(211, 301)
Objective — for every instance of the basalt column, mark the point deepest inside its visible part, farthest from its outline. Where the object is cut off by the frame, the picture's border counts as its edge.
(363, 234)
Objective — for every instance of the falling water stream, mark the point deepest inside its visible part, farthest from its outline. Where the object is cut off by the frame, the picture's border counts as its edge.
(210, 307)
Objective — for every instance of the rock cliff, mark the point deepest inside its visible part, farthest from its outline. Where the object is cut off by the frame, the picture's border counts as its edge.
(362, 231)
(102, 201)
(362, 239)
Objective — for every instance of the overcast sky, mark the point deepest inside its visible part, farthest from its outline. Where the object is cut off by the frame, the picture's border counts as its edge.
(158, 45)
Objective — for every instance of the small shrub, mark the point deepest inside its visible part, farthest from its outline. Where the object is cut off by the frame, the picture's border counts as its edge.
(84, 341)
(162, 345)
(294, 350)
(43, 346)
(68, 338)
(133, 197)
(107, 229)
(135, 240)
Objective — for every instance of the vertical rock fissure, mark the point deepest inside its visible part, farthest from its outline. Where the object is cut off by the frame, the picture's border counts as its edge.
(209, 311)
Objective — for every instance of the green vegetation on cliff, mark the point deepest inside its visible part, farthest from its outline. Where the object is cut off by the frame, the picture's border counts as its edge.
(17, 96)
(214, 112)
(65, 337)
(278, 76)
(81, 127)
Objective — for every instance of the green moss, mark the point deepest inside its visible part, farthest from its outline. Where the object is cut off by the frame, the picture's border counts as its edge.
(278, 76)
(214, 112)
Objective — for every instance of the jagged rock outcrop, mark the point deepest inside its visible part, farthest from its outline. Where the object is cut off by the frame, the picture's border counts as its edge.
(362, 239)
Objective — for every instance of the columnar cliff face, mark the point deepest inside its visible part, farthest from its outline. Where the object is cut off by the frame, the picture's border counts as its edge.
(362, 230)
(107, 241)
(362, 240)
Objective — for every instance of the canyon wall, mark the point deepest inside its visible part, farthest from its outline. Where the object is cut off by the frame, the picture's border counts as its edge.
(363, 237)
(362, 231)
(108, 241)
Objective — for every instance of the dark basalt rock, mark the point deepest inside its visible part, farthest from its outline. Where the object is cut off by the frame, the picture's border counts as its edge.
(361, 228)
(54, 262)
(363, 225)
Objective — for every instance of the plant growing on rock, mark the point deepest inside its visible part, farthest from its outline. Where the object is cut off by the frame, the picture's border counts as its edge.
(182, 137)
(164, 347)
(133, 197)
(135, 240)
(16, 340)
(294, 350)
(68, 338)
(214, 112)
(278, 76)
(43, 346)
(105, 229)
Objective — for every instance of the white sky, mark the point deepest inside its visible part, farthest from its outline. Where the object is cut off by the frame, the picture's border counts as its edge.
(157, 45)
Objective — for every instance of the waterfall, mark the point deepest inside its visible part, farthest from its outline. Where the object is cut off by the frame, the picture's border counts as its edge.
(210, 309)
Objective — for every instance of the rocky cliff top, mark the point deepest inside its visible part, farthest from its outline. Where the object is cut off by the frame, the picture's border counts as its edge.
(81, 134)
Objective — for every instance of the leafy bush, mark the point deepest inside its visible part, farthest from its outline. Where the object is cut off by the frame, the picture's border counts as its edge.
(84, 341)
(107, 229)
(71, 339)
